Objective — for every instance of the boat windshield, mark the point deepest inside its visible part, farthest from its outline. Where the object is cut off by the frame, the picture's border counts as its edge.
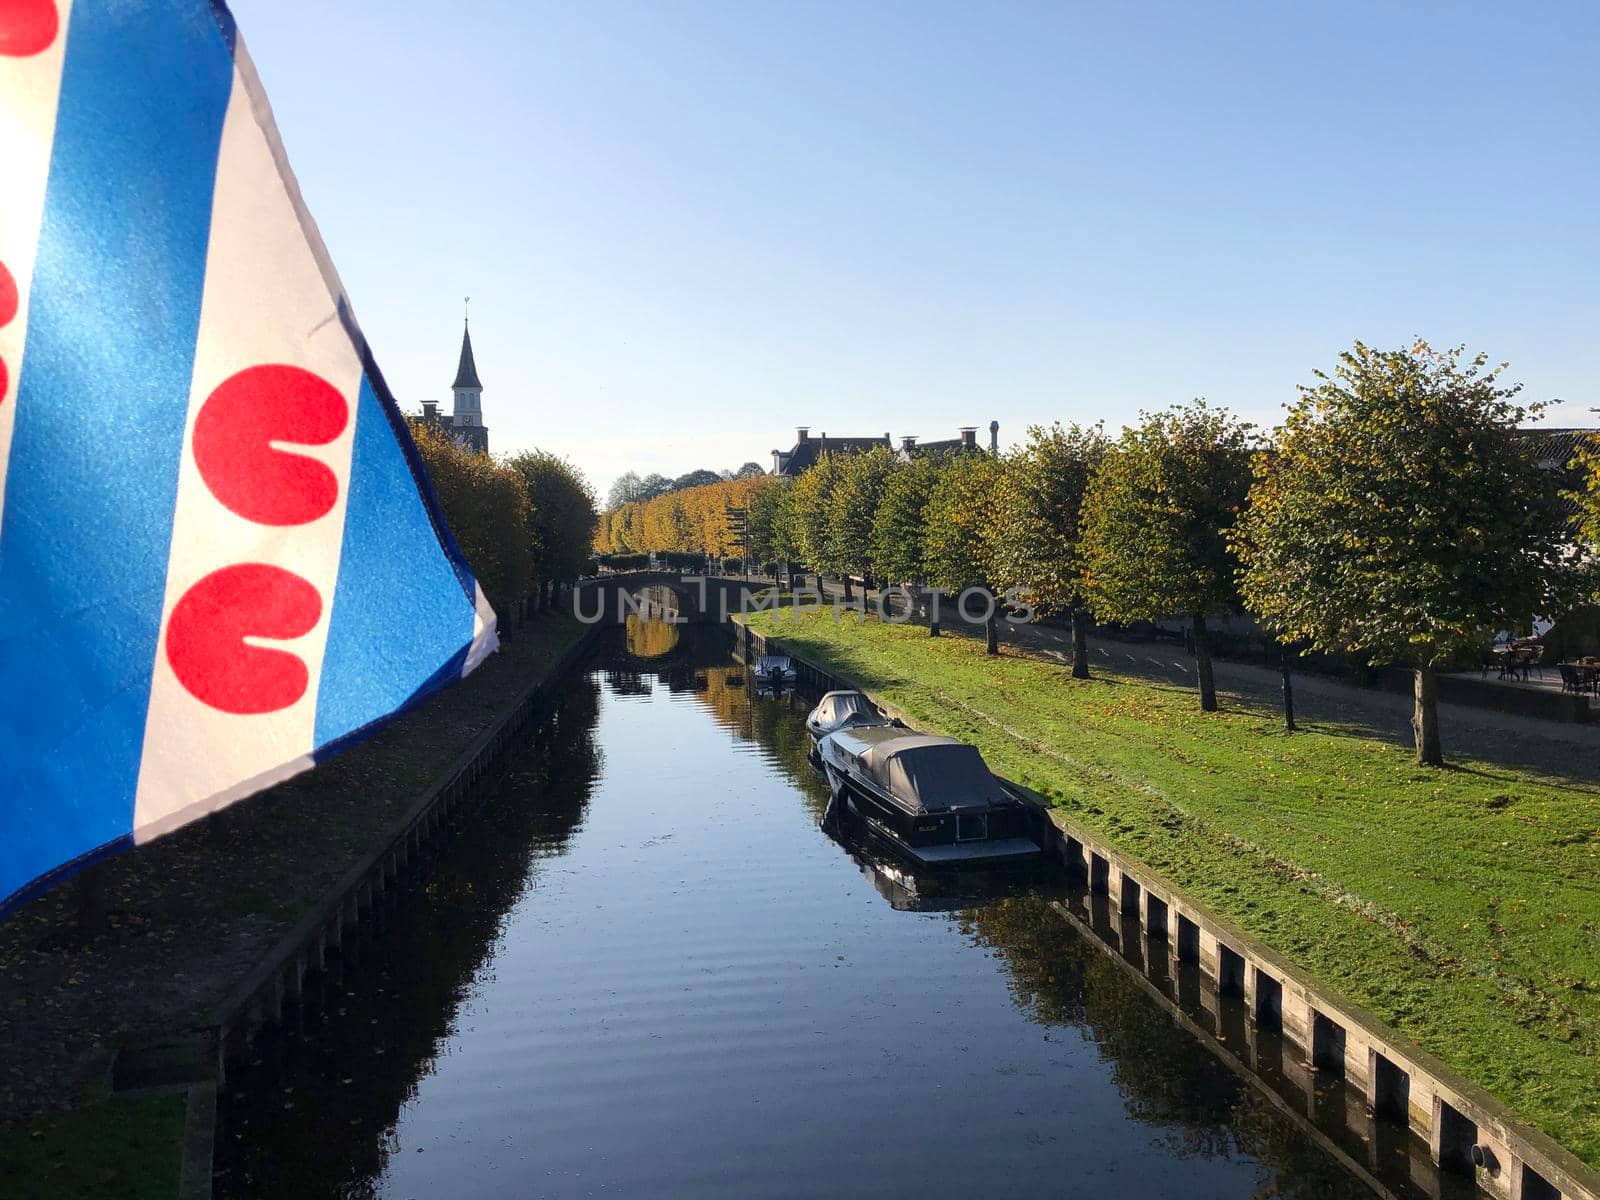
(836, 709)
(770, 663)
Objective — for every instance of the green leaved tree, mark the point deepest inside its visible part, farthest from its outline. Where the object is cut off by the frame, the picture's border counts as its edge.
(961, 535)
(852, 504)
(901, 519)
(487, 508)
(1040, 546)
(1401, 516)
(807, 504)
(763, 537)
(1156, 520)
(562, 524)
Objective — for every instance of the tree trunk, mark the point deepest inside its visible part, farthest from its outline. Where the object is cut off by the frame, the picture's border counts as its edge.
(1202, 666)
(1425, 718)
(1286, 664)
(991, 630)
(1080, 644)
(845, 579)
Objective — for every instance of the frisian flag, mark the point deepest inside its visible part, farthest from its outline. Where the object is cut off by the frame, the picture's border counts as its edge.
(220, 558)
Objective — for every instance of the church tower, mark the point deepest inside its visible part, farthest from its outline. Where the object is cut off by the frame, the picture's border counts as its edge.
(466, 416)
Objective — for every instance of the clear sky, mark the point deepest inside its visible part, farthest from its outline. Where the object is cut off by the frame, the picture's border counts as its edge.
(688, 228)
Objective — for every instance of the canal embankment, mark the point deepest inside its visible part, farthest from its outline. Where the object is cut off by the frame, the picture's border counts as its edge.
(206, 934)
(1443, 922)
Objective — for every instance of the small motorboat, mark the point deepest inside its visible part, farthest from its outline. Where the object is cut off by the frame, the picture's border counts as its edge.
(932, 798)
(841, 710)
(775, 672)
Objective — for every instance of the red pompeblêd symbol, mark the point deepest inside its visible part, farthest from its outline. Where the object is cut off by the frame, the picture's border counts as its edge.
(8, 291)
(242, 416)
(27, 27)
(8, 312)
(206, 632)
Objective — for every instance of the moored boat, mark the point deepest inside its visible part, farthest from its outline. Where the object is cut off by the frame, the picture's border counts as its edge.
(841, 710)
(932, 798)
(774, 672)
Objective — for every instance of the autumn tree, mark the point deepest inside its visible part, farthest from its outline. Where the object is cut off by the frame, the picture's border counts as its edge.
(1402, 517)
(1040, 547)
(1156, 520)
(961, 534)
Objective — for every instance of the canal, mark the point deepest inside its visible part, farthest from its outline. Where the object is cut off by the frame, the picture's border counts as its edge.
(641, 969)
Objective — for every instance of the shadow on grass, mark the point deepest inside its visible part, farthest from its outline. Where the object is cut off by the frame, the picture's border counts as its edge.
(1325, 707)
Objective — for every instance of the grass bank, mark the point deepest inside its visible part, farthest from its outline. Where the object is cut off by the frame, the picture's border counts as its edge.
(1461, 905)
(117, 1150)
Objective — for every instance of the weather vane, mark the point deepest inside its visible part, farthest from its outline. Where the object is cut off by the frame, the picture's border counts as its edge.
(466, 304)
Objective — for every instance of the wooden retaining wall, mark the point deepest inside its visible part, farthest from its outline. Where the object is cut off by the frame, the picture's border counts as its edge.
(1467, 1131)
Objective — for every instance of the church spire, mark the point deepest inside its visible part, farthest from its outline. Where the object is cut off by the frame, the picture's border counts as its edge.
(467, 372)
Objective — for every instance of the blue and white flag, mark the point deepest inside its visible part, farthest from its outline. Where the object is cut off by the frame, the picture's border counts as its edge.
(220, 558)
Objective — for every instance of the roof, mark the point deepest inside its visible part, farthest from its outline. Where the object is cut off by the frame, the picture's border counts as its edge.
(467, 372)
(1558, 447)
(941, 446)
(805, 453)
(927, 773)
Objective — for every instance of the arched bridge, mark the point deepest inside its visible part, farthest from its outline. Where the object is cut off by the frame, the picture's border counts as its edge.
(701, 599)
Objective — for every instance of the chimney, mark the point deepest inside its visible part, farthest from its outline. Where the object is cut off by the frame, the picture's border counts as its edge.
(887, 440)
(969, 437)
(994, 437)
(908, 442)
(802, 434)
(430, 410)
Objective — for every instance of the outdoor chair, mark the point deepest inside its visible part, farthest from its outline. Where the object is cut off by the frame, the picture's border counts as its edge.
(1571, 681)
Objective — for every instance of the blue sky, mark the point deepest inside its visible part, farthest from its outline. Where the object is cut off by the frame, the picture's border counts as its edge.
(688, 228)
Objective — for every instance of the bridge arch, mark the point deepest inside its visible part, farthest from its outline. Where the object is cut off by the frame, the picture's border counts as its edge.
(701, 599)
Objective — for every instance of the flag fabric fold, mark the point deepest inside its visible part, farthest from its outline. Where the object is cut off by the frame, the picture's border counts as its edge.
(220, 557)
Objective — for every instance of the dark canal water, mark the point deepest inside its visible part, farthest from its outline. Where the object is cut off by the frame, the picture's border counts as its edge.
(641, 969)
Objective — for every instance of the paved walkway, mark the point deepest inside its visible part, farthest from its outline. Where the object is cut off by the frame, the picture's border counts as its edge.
(1559, 750)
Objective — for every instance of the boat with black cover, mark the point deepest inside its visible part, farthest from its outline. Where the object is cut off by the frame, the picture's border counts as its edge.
(932, 798)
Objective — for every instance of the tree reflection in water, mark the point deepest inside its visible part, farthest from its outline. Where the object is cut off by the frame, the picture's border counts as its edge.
(392, 1002)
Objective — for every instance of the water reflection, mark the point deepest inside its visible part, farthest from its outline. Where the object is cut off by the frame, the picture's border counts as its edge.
(653, 631)
(315, 1114)
(643, 971)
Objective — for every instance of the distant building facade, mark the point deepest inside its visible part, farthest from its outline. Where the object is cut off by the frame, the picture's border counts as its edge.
(808, 449)
(465, 421)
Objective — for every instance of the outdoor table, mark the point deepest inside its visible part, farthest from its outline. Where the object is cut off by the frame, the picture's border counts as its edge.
(1515, 661)
(1588, 676)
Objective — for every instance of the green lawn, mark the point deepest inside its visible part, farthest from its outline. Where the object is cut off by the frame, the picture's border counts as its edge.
(1461, 905)
(118, 1150)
